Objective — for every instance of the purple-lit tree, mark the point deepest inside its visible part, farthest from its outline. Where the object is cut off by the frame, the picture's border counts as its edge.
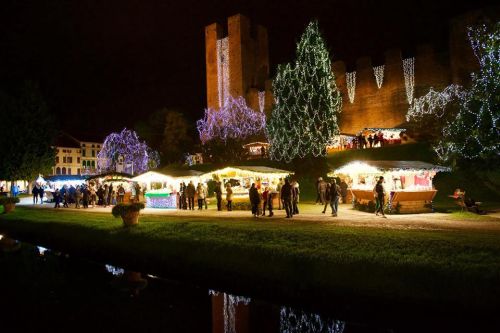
(125, 149)
(235, 120)
(223, 131)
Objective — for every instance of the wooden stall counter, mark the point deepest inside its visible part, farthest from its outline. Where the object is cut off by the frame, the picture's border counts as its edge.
(409, 202)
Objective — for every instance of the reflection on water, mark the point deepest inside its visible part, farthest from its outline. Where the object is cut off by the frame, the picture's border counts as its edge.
(296, 321)
(116, 271)
(233, 314)
(42, 250)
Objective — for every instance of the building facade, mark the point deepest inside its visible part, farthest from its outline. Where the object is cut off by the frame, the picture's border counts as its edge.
(74, 157)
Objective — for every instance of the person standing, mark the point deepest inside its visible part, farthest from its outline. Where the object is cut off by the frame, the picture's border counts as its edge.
(295, 197)
(380, 197)
(86, 197)
(218, 195)
(78, 196)
(270, 198)
(205, 193)
(318, 194)
(200, 191)
(278, 190)
(121, 193)
(57, 198)
(106, 194)
(334, 197)
(35, 194)
(254, 200)
(370, 140)
(191, 190)
(286, 195)
(265, 198)
(229, 197)
(343, 190)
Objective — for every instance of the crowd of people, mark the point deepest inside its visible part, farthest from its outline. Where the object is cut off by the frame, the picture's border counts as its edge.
(84, 195)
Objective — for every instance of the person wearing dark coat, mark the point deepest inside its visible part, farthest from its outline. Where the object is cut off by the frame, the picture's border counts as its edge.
(35, 194)
(334, 197)
(57, 198)
(286, 196)
(218, 195)
(343, 191)
(254, 200)
(191, 190)
(41, 192)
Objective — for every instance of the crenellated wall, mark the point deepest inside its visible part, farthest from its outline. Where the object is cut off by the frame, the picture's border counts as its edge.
(386, 107)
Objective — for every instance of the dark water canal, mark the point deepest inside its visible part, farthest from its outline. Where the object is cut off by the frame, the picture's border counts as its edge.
(42, 290)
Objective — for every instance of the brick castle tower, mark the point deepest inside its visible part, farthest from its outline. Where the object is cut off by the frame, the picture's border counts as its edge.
(238, 63)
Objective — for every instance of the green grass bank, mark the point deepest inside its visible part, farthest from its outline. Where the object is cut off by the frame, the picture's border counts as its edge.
(315, 261)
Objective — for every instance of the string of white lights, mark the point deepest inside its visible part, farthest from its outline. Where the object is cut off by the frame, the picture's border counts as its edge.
(223, 69)
(304, 117)
(262, 100)
(351, 85)
(378, 71)
(409, 74)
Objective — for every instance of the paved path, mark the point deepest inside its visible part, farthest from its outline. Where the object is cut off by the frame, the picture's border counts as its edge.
(311, 213)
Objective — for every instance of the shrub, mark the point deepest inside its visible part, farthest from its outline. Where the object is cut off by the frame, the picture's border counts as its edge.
(123, 209)
(8, 200)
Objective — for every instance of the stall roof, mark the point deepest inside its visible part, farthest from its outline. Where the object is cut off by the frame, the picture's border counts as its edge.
(152, 176)
(390, 165)
(250, 169)
(111, 174)
(62, 178)
(180, 173)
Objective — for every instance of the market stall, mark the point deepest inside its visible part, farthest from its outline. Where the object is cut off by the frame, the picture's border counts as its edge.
(116, 179)
(242, 177)
(407, 183)
(162, 187)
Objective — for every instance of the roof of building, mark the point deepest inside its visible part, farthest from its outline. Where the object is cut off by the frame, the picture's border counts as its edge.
(66, 140)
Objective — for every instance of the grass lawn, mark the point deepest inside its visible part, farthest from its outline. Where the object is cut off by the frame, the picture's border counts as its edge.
(292, 259)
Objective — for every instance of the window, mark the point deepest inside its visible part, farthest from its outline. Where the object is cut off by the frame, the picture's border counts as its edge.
(83, 144)
(63, 170)
(78, 171)
(69, 171)
(64, 159)
(78, 160)
(93, 146)
(69, 159)
(57, 159)
(58, 171)
(93, 164)
(83, 152)
(98, 146)
(93, 153)
(84, 163)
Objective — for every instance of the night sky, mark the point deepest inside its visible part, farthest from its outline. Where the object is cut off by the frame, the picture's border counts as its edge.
(103, 65)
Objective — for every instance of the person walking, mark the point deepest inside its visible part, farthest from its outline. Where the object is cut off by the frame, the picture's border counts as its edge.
(121, 193)
(57, 198)
(334, 197)
(327, 197)
(86, 196)
(278, 190)
(229, 197)
(254, 200)
(322, 190)
(65, 198)
(106, 194)
(286, 195)
(270, 198)
(41, 192)
(218, 195)
(379, 192)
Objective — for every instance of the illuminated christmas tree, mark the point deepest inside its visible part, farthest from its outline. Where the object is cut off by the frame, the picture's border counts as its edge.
(304, 117)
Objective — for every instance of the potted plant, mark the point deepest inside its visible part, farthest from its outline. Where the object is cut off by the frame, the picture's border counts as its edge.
(128, 212)
(8, 203)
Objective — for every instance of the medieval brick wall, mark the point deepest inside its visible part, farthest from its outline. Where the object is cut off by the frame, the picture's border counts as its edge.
(248, 61)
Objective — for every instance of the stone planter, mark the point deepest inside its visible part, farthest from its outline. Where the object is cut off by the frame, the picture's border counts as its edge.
(7, 208)
(130, 218)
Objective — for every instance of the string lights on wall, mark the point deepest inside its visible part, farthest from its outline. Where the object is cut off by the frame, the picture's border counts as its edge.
(409, 74)
(223, 69)
(378, 71)
(351, 85)
(262, 100)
